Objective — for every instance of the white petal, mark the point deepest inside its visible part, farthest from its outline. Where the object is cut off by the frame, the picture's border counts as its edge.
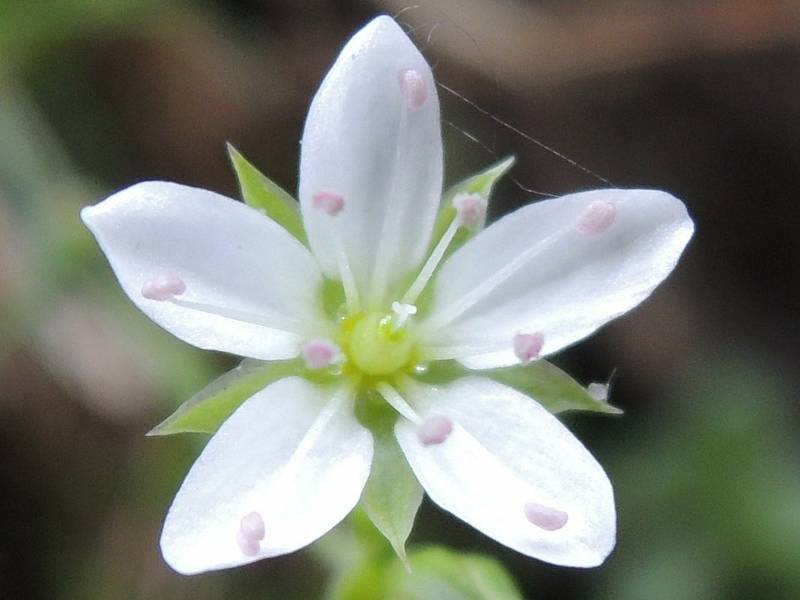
(506, 451)
(229, 256)
(533, 271)
(294, 454)
(363, 142)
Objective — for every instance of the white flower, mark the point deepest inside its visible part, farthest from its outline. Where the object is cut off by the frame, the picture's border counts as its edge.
(292, 461)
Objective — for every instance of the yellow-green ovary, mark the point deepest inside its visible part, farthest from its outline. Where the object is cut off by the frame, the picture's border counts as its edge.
(376, 348)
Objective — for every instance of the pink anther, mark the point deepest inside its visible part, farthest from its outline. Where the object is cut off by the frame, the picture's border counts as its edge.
(250, 533)
(415, 88)
(471, 209)
(321, 353)
(597, 217)
(435, 429)
(527, 346)
(330, 203)
(163, 287)
(247, 545)
(252, 525)
(546, 517)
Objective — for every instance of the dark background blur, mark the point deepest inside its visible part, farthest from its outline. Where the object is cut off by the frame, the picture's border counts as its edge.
(701, 98)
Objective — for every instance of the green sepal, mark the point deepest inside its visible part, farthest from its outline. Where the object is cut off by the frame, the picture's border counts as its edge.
(265, 195)
(392, 494)
(333, 298)
(551, 387)
(481, 183)
(207, 410)
(541, 380)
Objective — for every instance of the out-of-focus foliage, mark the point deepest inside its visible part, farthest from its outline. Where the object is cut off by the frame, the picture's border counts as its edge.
(25, 25)
(440, 573)
(62, 298)
(437, 572)
(712, 492)
(430, 572)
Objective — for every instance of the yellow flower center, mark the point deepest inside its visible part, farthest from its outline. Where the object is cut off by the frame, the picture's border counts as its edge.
(375, 345)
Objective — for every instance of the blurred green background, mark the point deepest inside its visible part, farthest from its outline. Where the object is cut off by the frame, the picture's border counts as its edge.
(701, 98)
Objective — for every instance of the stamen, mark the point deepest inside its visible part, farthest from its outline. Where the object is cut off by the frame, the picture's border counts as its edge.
(597, 217)
(471, 209)
(330, 203)
(346, 273)
(470, 213)
(414, 87)
(435, 429)
(265, 318)
(410, 297)
(402, 313)
(546, 517)
(397, 402)
(321, 353)
(252, 525)
(248, 546)
(163, 287)
(527, 346)
(598, 391)
(251, 532)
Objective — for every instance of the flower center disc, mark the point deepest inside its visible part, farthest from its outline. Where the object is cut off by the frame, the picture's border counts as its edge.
(377, 348)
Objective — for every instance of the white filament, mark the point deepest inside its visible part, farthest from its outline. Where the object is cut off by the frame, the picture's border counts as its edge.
(410, 297)
(264, 318)
(397, 402)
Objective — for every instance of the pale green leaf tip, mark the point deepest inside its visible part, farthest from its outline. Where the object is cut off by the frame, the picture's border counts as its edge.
(603, 403)
(167, 427)
(235, 156)
(400, 551)
(485, 180)
(598, 409)
(239, 163)
(156, 431)
(499, 169)
(161, 429)
(504, 165)
(399, 548)
(263, 194)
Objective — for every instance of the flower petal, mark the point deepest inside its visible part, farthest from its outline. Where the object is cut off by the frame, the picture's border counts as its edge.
(379, 148)
(233, 261)
(294, 454)
(506, 453)
(540, 270)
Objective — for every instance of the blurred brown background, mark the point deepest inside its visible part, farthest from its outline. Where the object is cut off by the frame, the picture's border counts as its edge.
(701, 98)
